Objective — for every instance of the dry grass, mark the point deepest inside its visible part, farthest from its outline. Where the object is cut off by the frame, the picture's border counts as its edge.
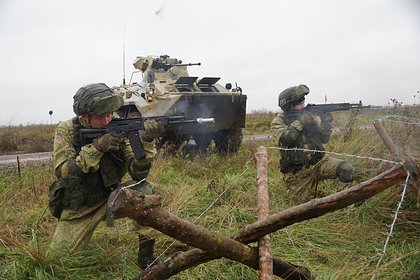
(28, 139)
(340, 245)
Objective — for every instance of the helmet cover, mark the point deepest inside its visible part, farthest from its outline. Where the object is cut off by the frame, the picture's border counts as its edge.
(292, 96)
(96, 99)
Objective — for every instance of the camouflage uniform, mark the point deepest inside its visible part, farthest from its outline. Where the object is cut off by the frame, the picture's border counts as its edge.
(98, 175)
(87, 176)
(302, 169)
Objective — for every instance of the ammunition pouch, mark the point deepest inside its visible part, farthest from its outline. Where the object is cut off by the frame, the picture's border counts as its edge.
(78, 189)
(314, 157)
(292, 161)
(55, 199)
(93, 199)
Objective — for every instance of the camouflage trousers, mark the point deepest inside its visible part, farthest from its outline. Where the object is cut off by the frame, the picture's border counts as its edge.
(75, 228)
(302, 185)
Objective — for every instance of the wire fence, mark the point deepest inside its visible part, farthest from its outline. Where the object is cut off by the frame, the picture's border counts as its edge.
(391, 227)
(383, 251)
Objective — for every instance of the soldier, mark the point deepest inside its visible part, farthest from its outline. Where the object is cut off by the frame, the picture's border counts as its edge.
(86, 175)
(295, 128)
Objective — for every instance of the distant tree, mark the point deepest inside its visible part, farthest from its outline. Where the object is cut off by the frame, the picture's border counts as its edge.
(396, 102)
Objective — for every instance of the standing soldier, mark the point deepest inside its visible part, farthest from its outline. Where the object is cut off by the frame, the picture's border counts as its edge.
(87, 174)
(295, 128)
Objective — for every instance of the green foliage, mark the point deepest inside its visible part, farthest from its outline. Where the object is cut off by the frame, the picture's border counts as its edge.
(219, 193)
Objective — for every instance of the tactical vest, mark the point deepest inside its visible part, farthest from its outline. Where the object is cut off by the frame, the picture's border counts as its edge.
(295, 160)
(87, 189)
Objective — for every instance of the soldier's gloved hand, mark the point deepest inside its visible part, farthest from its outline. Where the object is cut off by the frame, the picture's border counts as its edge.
(109, 142)
(297, 125)
(152, 130)
(307, 120)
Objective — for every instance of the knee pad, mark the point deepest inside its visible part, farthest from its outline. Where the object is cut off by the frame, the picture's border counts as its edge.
(345, 172)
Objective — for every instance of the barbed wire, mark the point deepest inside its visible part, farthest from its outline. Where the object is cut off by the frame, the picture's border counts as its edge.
(204, 211)
(391, 227)
(123, 188)
(120, 241)
(334, 153)
(383, 252)
(402, 116)
(123, 253)
(294, 245)
(403, 122)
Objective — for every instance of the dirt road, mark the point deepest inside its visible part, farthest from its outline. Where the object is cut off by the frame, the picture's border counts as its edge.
(11, 160)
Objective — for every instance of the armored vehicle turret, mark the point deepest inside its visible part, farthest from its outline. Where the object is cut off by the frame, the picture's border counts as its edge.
(167, 88)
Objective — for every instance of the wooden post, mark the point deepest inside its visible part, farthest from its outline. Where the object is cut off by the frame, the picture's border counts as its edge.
(312, 209)
(409, 164)
(264, 246)
(387, 140)
(146, 211)
(19, 173)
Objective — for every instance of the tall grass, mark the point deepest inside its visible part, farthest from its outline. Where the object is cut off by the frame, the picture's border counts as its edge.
(29, 139)
(340, 245)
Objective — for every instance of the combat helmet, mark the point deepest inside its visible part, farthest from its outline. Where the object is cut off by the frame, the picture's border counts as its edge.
(292, 96)
(96, 99)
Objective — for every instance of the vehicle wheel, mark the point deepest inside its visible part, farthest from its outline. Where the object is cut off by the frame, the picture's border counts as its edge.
(203, 141)
(171, 144)
(228, 141)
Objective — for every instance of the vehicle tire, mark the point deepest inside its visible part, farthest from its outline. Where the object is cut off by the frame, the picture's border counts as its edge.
(228, 141)
(171, 144)
(203, 141)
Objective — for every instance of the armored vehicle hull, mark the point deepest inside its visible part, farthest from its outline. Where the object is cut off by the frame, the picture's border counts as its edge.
(167, 89)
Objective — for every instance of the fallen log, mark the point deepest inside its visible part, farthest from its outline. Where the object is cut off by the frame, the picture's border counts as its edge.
(184, 260)
(309, 210)
(318, 207)
(146, 211)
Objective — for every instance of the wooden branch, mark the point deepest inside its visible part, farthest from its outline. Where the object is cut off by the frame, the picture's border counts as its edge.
(134, 205)
(386, 139)
(185, 260)
(146, 211)
(318, 207)
(280, 220)
(410, 165)
(264, 246)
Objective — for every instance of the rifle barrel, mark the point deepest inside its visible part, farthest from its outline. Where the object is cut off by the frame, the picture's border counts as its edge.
(205, 120)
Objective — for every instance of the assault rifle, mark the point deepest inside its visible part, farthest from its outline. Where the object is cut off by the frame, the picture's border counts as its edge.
(320, 109)
(131, 128)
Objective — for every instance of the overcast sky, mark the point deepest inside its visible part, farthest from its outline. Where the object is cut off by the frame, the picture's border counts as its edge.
(348, 50)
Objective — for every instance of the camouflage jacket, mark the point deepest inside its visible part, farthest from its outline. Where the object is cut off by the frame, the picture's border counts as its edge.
(300, 134)
(89, 175)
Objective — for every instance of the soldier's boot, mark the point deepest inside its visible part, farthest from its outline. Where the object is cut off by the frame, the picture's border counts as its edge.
(146, 247)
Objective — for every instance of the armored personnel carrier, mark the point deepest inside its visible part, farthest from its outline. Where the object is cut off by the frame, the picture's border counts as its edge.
(167, 88)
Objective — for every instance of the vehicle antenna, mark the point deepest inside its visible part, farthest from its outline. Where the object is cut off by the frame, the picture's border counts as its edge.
(124, 57)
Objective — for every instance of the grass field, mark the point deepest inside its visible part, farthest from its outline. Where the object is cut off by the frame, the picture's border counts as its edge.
(345, 244)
